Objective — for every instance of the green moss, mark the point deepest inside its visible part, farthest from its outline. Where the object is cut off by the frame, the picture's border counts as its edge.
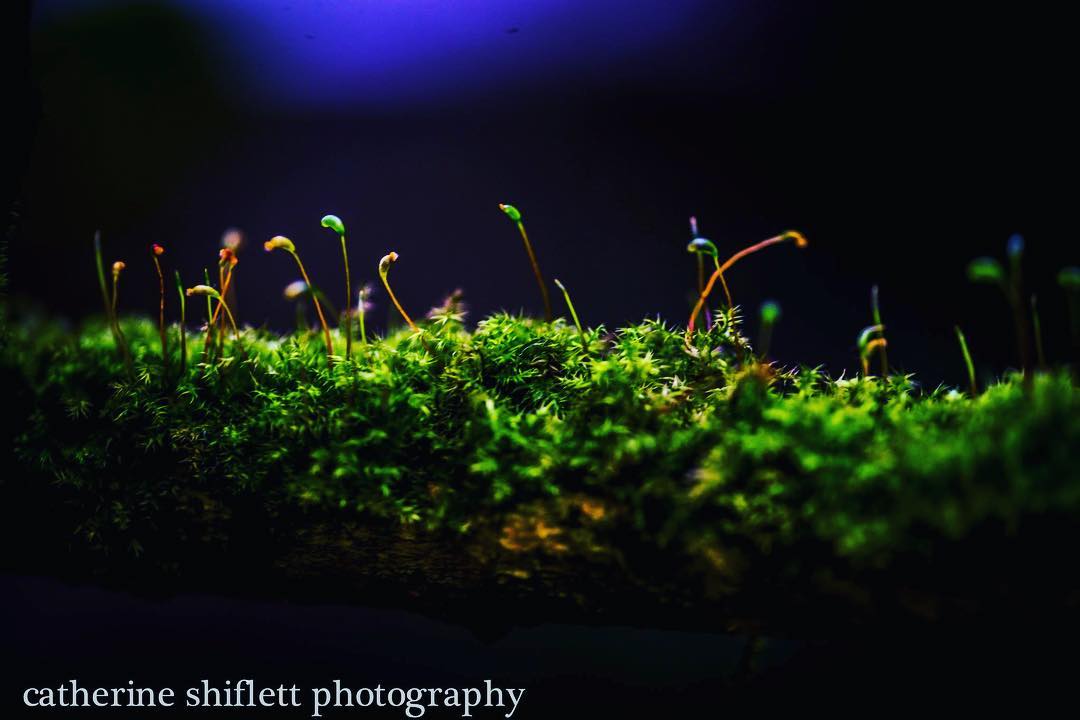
(712, 457)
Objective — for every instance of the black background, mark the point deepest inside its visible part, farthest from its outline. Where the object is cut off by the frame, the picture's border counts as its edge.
(902, 139)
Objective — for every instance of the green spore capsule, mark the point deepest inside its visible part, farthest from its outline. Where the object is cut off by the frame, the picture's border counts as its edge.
(985, 270)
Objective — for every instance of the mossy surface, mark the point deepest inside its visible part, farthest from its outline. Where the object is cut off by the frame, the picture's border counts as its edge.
(516, 438)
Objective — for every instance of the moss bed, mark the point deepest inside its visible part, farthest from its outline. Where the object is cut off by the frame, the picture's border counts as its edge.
(460, 469)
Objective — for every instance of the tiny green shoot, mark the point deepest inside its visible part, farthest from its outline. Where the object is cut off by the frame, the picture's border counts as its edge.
(515, 216)
(280, 242)
(573, 314)
(967, 361)
(334, 223)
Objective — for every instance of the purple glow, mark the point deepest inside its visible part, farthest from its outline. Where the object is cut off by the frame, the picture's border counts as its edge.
(376, 52)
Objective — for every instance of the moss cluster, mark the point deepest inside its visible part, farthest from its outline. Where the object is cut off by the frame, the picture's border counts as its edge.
(708, 456)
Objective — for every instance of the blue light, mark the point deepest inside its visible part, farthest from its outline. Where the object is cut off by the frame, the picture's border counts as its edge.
(379, 52)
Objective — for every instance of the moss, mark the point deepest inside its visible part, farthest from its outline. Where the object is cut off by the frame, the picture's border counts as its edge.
(627, 440)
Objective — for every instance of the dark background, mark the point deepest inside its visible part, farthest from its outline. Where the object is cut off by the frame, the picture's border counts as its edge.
(902, 139)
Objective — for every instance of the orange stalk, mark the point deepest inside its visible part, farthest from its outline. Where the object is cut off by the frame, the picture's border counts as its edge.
(384, 270)
(800, 241)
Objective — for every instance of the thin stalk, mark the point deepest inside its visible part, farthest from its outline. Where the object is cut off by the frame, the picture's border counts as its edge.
(284, 243)
(155, 251)
(361, 312)
(384, 271)
(703, 246)
(723, 283)
(875, 344)
(701, 286)
(334, 223)
(967, 360)
(301, 318)
(867, 343)
(1015, 251)
(224, 304)
(125, 352)
(208, 343)
(107, 302)
(101, 278)
(218, 320)
(232, 320)
(536, 271)
(573, 314)
(225, 273)
(800, 241)
(348, 294)
(1036, 326)
(115, 290)
(883, 353)
(211, 293)
(1020, 324)
(209, 311)
(318, 309)
(182, 330)
(515, 216)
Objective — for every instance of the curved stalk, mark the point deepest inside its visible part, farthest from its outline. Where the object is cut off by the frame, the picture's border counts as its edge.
(384, 270)
(701, 247)
(883, 354)
(284, 243)
(226, 263)
(800, 241)
(867, 344)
